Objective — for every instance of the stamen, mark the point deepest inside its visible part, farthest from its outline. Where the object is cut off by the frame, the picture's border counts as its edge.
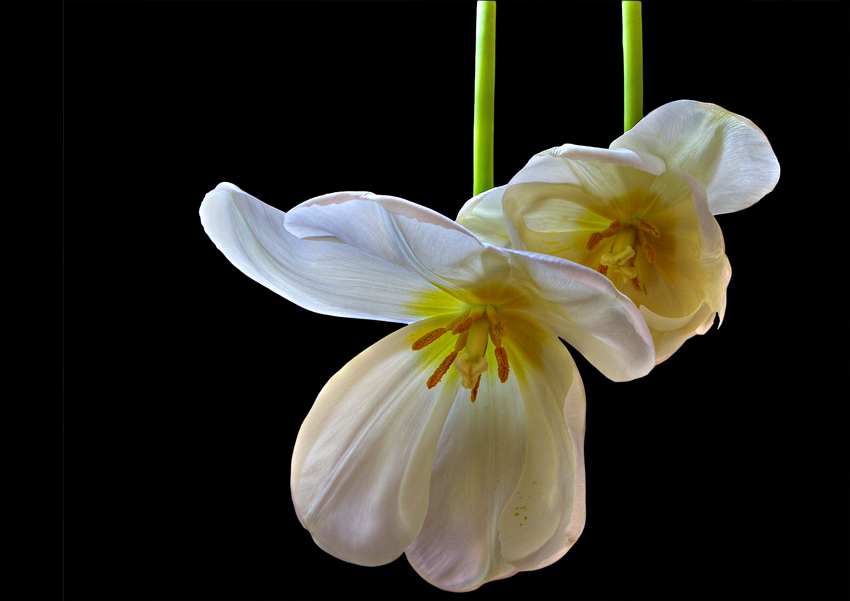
(460, 343)
(428, 338)
(473, 316)
(646, 246)
(441, 370)
(634, 277)
(597, 237)
(647, 227)
(474, 393)
(462, 326)
(502, 362)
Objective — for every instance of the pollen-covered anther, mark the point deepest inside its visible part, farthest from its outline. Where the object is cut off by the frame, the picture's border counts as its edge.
(646, 226)
(502, 362)
(441, 370)
(648, 250)
(597, 237)
(463, 326)
(428, 338)
(474, 394)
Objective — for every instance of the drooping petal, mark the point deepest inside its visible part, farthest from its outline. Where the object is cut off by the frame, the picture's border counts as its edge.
(686, 286)
(542, 519)
(362, 461)
(325, 277)
(585, 309)
(726, 152)
(574, 415)
(476, 467)
(402, 233)
(490, 454)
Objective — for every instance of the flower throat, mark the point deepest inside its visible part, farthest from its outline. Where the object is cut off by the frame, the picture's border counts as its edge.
(473, 335)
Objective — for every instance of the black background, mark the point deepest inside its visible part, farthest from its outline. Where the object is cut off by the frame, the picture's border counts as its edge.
(723, 474)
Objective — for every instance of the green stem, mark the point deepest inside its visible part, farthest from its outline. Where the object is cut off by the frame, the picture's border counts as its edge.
(485, 86)
(632, 65)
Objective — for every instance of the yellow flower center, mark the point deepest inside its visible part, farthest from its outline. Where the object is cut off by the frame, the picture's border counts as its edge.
(473, 332)
(620, 261)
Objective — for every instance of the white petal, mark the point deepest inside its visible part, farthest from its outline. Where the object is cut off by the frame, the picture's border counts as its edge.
(482, 215)
(670, 333)
(362, 461)
(477, 464)
(541, 519)
(574, 414)
(726, 152)
(489, 453)
(689, 285)
(555, 166)
(584, 308)
(325, 277)
(402, 233)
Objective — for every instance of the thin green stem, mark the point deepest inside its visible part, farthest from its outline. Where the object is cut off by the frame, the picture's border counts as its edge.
(632, 65)
(485, 86)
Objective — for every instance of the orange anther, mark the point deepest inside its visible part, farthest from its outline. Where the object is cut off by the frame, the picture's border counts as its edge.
(463, 326)
(441, 370)
(647, 227)
(502, 362)
(428, 339)
(597, 237)
(474, 394)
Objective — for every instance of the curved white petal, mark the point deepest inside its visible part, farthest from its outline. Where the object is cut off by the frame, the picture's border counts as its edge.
(402, 233)
(726, 152)
(584, 308)
(482, 215)
(325, 277)
(670, 333)
(490, 455)
(556, 165)
(598, 180)
(361, 466)
(542, 520)
(478, 462)
(575, 409)
(695, 279)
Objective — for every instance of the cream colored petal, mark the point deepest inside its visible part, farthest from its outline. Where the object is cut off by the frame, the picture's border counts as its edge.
(324, 277)
(542, 518)
(574, 415)
(585, 309)
(482, 215)
(726, 152)
(489, 453)
(403, 234)
(688, 269)
(555, 166)
(669, 334)
(477, 464)
(361, 467)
